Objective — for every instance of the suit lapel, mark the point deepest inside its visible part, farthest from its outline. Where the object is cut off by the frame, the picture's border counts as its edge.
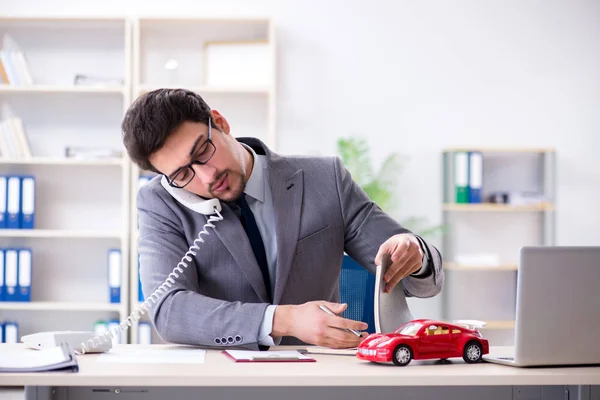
(232, 234)
(286, 190)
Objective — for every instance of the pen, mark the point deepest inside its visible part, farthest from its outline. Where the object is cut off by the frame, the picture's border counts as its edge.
(328, 311)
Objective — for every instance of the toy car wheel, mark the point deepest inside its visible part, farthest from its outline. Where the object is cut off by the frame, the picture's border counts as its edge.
(472, 352)
(402, 355)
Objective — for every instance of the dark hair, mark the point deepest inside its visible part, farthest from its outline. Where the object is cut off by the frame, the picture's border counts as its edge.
(154, 116)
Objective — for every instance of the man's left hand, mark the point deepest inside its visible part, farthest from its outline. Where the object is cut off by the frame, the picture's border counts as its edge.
(406, 256)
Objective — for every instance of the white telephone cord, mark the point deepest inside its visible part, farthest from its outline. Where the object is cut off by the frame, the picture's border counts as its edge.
(154, 297)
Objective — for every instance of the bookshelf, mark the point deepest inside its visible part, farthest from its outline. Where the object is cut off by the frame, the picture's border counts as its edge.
(161, 43)
(82, 205)
(495, 200)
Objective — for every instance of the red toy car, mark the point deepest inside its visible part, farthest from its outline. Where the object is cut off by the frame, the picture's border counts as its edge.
(423, 339)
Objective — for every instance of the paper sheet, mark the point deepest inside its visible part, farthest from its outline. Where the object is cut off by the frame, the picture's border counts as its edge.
(248, 355)
(149, 356)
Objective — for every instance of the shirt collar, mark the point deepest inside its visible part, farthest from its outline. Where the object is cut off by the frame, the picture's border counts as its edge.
(255, 187)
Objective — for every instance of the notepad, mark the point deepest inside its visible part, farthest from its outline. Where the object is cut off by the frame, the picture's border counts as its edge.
(59, 358)
(267, 356)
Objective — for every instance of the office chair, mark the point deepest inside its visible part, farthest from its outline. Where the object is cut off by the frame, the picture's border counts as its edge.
(357, 289)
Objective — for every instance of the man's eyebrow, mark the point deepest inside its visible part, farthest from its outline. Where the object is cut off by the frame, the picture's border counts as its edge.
(196, 144)
(191, 154)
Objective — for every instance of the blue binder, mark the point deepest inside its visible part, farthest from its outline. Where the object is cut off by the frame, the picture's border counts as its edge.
(114, 275)
(140, 292)
(13, 205)
(11, 274)
(2, 275)
(3, 201)
(475, 176)
(27, 202)
(24, 281)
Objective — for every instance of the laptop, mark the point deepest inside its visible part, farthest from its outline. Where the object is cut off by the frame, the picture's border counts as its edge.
(558, 308)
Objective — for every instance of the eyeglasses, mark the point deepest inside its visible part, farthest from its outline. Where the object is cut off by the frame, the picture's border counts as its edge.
(200, 156)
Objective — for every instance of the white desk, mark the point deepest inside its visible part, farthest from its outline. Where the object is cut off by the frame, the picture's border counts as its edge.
(220, 377)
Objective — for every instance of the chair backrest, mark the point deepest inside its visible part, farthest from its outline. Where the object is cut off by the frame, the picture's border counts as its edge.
(357, 289)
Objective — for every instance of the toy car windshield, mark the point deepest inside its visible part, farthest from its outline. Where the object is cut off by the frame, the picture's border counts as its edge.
(410, 328)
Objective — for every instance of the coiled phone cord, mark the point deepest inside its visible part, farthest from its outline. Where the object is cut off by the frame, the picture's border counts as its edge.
(158, 293)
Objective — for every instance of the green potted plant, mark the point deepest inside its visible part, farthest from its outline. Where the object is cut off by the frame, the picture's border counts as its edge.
(379, 185)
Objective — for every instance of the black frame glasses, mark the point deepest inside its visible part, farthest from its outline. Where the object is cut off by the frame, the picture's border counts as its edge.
(184, 175)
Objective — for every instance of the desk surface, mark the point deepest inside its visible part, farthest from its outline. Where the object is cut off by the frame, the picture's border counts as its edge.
(329, 370)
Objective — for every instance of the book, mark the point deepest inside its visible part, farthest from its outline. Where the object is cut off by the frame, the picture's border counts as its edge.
(391, 309)
(59, 358)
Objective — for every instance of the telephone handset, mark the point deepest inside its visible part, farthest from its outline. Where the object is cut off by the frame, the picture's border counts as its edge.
(191, 200)
(102, 342)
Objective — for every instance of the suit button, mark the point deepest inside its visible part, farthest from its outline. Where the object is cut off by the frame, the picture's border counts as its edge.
(230, 340)
(217, 340)
(224, 340)
(238, 338)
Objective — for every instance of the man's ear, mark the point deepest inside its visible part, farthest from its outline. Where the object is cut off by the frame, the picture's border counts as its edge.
(219, 121)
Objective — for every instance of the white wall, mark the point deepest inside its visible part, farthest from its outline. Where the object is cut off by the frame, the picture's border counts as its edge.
(415, 77)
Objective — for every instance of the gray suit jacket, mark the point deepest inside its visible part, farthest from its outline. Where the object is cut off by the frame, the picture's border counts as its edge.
(320, 213)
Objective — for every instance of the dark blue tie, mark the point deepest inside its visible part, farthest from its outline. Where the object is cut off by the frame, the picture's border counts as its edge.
(258, 247)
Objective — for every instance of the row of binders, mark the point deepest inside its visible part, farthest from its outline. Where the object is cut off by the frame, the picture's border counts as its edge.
(17, 202)
(9, 332)
(15, 274)
(468, 176)
(144, 330)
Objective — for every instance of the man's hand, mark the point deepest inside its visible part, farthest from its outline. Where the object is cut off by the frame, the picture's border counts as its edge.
(310, 324)
(406, 256)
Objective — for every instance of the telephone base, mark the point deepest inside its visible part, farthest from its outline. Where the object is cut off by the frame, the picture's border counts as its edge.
(44, 340)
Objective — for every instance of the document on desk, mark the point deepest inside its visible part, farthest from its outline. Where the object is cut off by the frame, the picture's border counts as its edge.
(60, 358)
(327, 350)
(154, 356)
(267, 356)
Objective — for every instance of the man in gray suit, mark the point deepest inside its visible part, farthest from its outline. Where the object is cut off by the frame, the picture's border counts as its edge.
(259, 276)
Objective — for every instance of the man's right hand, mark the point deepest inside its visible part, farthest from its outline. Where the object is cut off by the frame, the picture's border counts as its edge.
(312, 325)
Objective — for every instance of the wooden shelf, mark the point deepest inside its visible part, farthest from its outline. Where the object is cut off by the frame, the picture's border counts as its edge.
(497, 207)
(491, 268)
(64, 161)
(209, 89)
(500, 150)
(4, 88)
(59, 306)
(59, 233)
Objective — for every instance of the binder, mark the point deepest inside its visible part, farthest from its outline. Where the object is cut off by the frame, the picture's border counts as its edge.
(11, 332)
(2, 267)
(2, 337)
(100, 327)
(475, 176)
(140, 292)
(27, 202)
(24, 282)
(144, 333)
(3, 201)
(114, 275)
(13, 205)
(59, 358)
(11, 270)
(461, 176)
(113, 324)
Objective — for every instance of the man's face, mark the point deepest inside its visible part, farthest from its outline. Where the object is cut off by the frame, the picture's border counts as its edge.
(222, 177)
